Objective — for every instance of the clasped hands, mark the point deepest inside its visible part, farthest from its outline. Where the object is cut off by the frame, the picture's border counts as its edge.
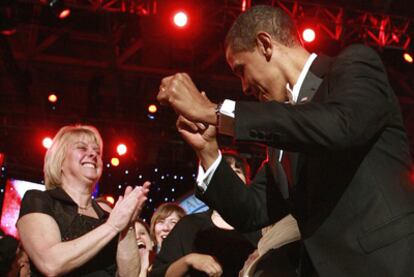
(196, 113)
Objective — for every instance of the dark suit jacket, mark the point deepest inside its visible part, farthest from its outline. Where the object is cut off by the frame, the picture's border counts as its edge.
(352, 195)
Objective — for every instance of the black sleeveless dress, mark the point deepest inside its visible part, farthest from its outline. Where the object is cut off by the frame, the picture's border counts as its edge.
(58, 204)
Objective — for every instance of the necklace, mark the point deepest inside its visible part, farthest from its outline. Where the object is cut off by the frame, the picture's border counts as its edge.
(84, 208)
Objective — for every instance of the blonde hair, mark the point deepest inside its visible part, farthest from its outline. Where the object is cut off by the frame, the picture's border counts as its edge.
(162, 212)
(56, 154)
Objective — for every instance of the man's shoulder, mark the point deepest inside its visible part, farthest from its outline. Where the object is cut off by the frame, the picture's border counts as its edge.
(357, 51)
(195, 219)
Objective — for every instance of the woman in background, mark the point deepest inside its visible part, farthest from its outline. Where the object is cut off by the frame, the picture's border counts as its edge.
(163, 221)
(145, 246)
(203, 244)
(63, 230)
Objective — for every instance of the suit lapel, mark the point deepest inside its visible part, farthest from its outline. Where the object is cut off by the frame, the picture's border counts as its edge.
(309, 87)
(314, 78)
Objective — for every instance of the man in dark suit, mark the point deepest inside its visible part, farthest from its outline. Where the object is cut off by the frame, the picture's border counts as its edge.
(348, 182)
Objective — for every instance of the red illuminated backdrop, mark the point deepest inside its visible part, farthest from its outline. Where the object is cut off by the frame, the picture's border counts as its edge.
(15, 190)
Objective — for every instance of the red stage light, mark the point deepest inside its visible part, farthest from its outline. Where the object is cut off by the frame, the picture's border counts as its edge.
(308, 35)
(52, 98)
(1, 159)
(408, 57)
(115, 161)
(64, 13)
(47, 142)
(180, 19)
(8, 32)
(152, 108)
(110, 199)
(121, 149)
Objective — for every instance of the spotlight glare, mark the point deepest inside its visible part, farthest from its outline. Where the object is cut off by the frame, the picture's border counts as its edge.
(47, 142)
(152, 108)
(121, 149)
(110, 199)
(408, 58)
(8, 32)
(115, 161)
(64, 13)
(180, 19)
(308, 35)
(52, 98)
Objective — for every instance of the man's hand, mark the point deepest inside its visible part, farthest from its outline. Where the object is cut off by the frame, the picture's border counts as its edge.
(179, 92)
(204, 263)
(201, 138)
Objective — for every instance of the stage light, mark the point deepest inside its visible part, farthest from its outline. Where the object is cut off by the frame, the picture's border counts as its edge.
(64, 13)
(121, 149)
(308, 35)
(180, 19)
(58, 8)
(7, 17)
(115, 161)
(1, 159)
(152, 108)
(110, 199)
(245, 5)
(47, 142)
(408, 57)
(52, 98)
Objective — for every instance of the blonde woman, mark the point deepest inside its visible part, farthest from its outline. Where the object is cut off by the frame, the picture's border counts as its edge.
(63, 230)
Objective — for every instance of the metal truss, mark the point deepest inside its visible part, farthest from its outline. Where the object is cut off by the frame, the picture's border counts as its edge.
(348, 26)
(138, 7)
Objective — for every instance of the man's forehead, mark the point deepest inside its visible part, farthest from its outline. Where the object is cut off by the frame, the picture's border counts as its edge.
(229, 55)
(232, 58)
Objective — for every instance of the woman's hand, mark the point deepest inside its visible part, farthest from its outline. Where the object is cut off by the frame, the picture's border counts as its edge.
(128, 207)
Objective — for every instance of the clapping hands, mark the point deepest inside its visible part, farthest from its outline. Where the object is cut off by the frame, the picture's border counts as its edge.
(128, 207)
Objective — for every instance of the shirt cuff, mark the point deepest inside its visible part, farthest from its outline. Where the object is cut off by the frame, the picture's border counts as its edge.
(204, 177)
(226, 118)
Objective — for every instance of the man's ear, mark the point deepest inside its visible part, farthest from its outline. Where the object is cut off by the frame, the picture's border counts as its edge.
(264, 44)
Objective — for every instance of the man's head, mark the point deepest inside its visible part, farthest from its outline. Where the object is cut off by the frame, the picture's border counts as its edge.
(261, 48)
(274, 21)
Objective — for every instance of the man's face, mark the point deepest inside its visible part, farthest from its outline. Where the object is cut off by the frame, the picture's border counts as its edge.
(260, 77)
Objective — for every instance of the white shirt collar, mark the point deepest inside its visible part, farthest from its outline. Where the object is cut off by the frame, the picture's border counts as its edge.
(296, 88)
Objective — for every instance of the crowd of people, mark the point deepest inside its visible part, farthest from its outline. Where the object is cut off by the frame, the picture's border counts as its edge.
(333, 197)
(64, 231)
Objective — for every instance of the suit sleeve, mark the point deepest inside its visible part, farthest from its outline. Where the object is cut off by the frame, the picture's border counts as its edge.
(350, 108)
(176, 245)
(246, 208)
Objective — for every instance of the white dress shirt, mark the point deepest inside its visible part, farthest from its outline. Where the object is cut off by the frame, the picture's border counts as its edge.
(226, 122)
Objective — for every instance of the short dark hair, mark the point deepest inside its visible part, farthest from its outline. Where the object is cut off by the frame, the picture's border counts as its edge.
(276, 22)
(239, 162)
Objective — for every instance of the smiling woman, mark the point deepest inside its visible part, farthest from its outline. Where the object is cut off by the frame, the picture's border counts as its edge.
(163, 221)
(145, 246)
(63, 230)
